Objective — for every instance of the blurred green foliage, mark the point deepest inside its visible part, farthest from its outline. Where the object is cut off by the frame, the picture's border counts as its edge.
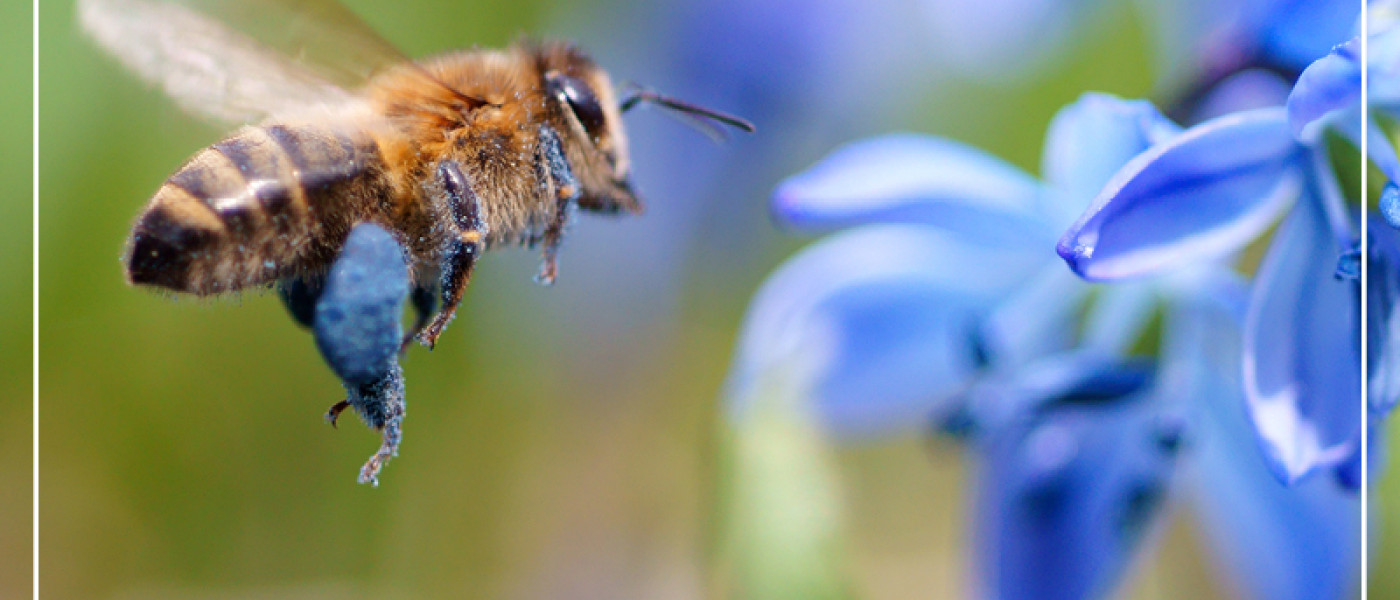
(16, 297)
(183, 451)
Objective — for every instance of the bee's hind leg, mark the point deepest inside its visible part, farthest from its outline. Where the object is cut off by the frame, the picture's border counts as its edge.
(560, 186)
(300, 296)
(381, 404)
(357, 329)
(461, 254)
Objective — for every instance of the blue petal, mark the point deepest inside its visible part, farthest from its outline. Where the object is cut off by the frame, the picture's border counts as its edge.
(1301, 354)
(1246, 90)
(1036, 320)
(1329, 86)
(1276, 542)
(1328, 93)
(1310, 530)
(883, 317)
(913, 178)
(1092, 139)
(1383, 320)
(1298, 31)
(1390, 204)
(1383, 77)
(1070, 483)
(357, 316)
(1203, 194)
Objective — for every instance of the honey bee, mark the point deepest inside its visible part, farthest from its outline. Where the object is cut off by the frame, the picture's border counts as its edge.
(451, 155)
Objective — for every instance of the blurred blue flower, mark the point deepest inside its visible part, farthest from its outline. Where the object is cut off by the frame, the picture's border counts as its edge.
(1328, 94)
(951, 275)
(1208, 193)
(1071, 477)
(1383, 320)
(945, 305)
(1007, 40)
(1276, 542)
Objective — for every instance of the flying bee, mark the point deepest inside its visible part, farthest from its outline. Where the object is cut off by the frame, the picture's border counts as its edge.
(450, 155)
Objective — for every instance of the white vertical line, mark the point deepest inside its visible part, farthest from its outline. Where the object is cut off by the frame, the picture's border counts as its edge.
(34, 307)
(1365, 243)
(34, 301)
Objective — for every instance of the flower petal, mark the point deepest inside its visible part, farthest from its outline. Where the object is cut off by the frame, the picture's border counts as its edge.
(1246, 90)
(1328, 86)
(912, 178)
(1301, 353)
(1092, 139)
(1297, 31)
(1383, 77)
(1383, 320)
(1311, 531)
(1071, 482)
(883, 317)
(1035, 320)
(1389, 204)
(1203, 194)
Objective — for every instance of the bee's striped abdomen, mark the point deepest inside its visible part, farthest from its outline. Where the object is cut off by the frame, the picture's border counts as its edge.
(267, 203)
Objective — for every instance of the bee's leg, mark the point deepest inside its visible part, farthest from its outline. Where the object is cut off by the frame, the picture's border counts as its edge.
(461, 254)
(424, 300)
(300, 296)
(333, 414)
(381, 404)
(563, 188)
(357, 329)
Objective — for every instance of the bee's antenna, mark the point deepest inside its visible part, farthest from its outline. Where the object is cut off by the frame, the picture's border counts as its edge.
(694, 115)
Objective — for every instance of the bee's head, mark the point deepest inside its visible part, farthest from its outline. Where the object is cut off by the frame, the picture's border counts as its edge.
(585, 100)
(586, 113)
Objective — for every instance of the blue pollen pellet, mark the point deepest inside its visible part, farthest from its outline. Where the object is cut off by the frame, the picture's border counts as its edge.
(357, 320)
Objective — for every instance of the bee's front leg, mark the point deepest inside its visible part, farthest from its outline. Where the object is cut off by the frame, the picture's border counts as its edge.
(562, 187)
(461, 254)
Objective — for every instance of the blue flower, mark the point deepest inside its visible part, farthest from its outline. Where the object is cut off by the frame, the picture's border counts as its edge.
(1071, 471)
(962, 288)
(943, 304)
(1214, 189)
(1277, 542)
(1383, 323)
(1005, 40)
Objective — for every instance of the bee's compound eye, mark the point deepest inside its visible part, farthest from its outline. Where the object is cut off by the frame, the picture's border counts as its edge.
(580, 99)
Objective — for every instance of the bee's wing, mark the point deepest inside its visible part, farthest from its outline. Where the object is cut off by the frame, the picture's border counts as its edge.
(238, 61)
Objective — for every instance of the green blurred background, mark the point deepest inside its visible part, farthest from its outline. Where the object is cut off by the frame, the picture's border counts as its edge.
(548, 453)
(16, 298)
